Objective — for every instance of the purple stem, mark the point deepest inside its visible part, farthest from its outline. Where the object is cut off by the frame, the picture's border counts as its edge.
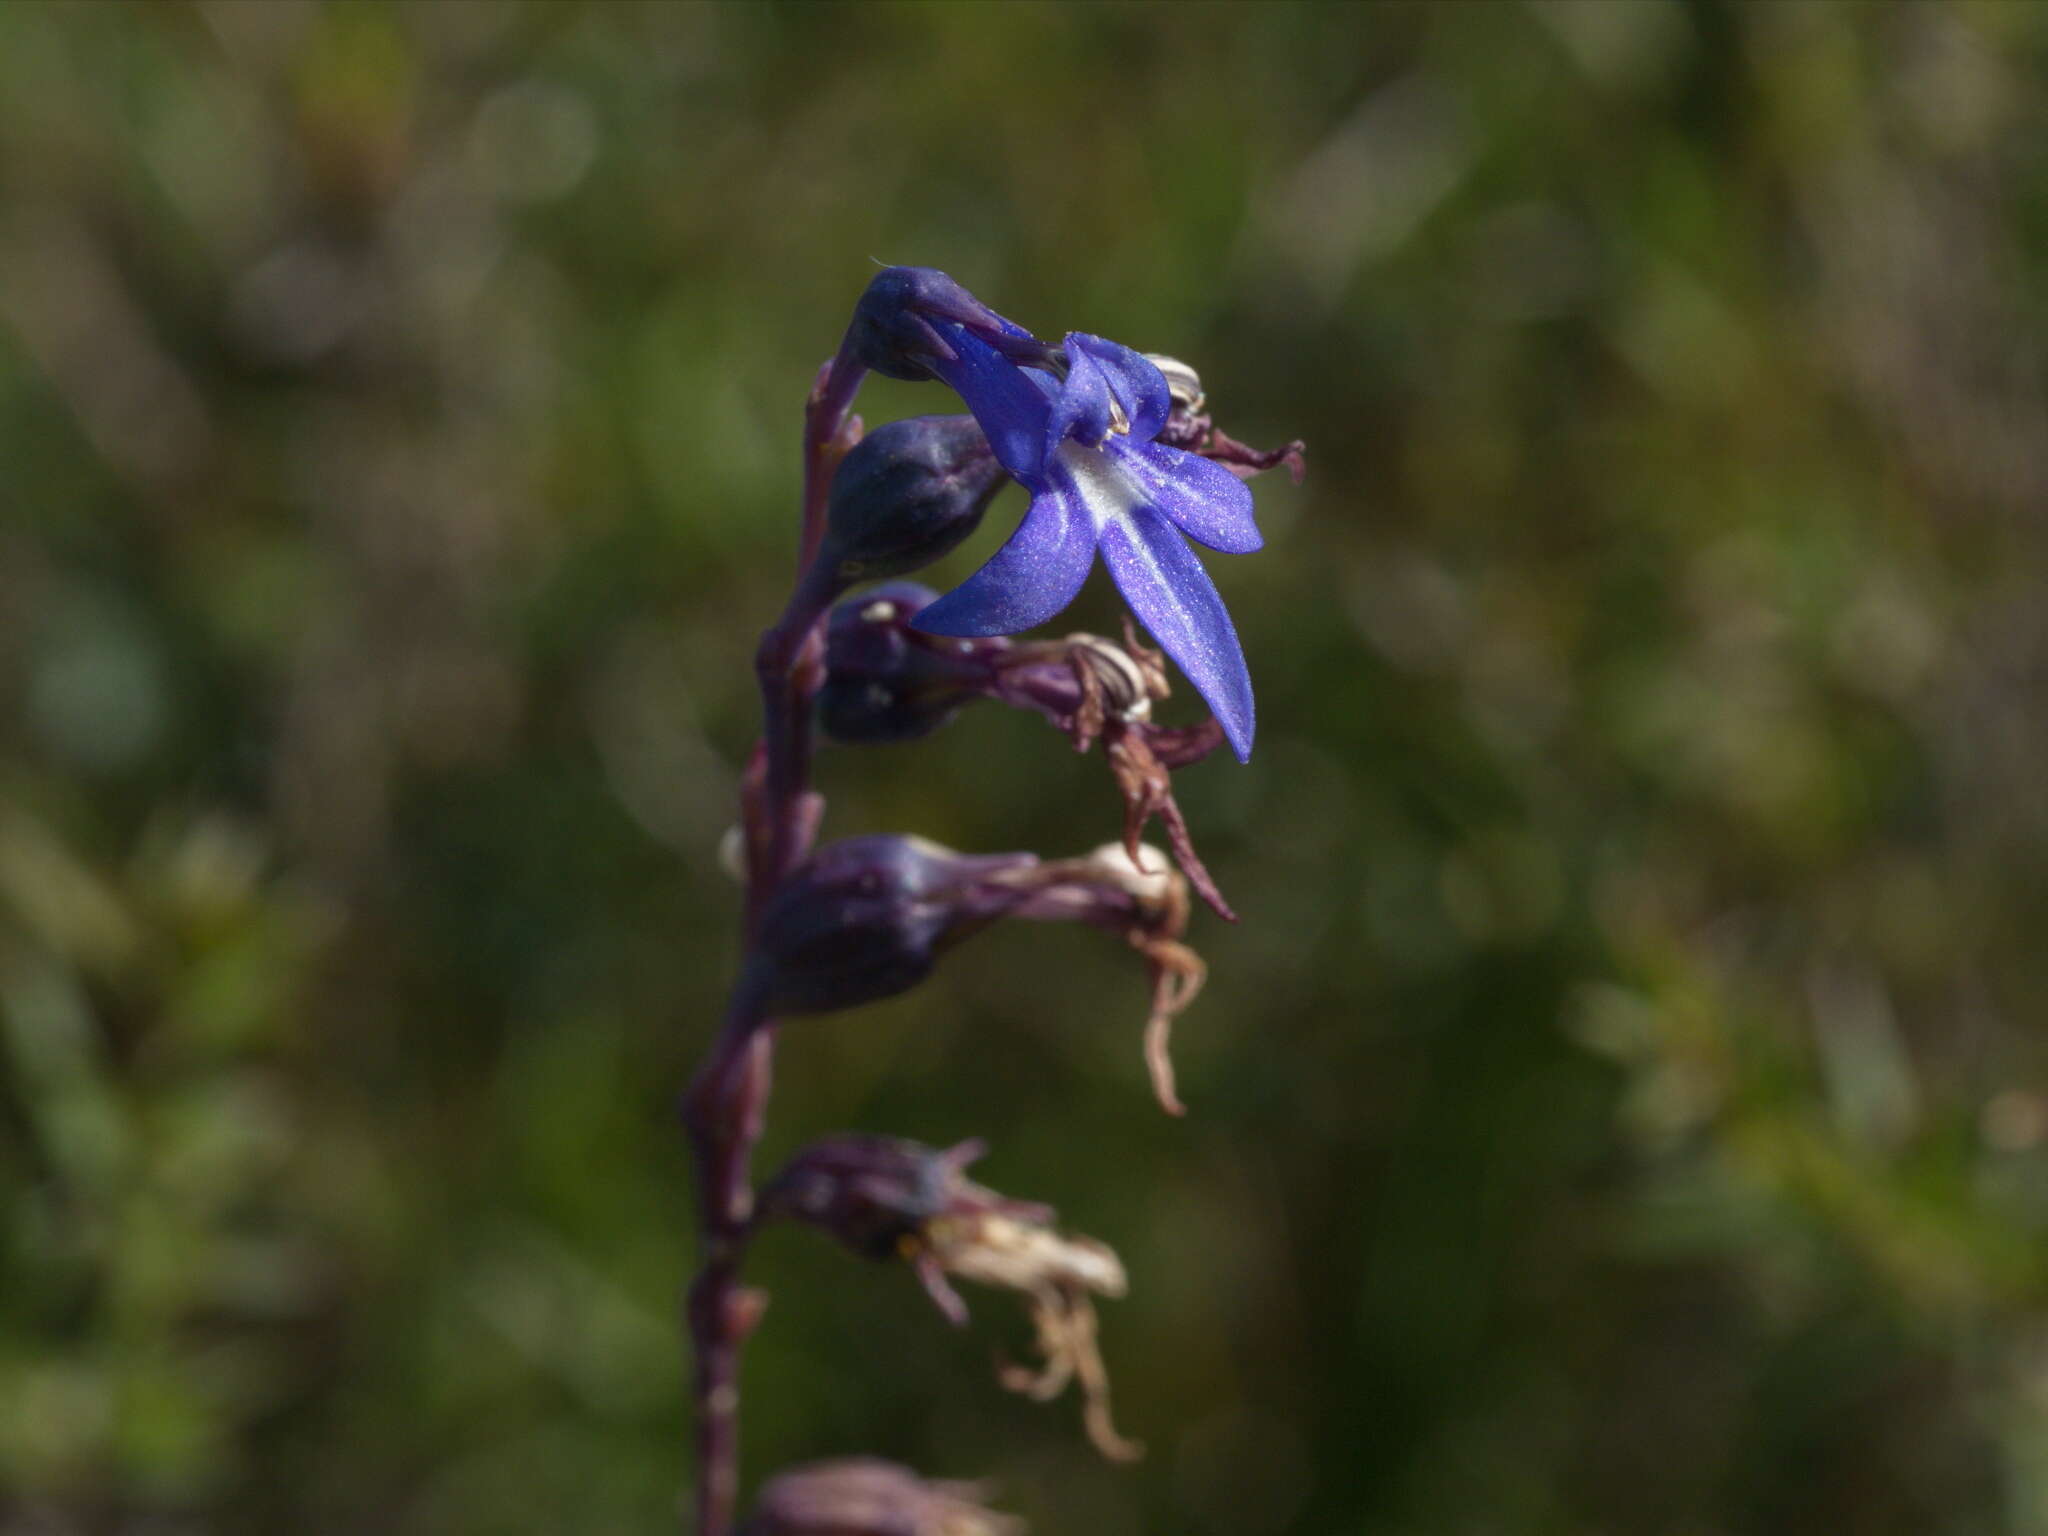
(728, 1100)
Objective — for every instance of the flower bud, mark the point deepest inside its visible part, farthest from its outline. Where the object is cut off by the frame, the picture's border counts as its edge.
(900, 322)
(907, 494)
(868, 917)
(885, 681)
(861, 1496)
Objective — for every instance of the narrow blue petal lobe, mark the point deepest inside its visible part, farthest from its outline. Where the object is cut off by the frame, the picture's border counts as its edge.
(1028, 580)
(1010, 408)
(1204, 500)
(1174, 598)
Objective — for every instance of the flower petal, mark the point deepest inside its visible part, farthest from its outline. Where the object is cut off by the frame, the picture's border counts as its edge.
(1174, 598)
(1133, 378)
(1205, 501)
(1081, 408)
(1028, 580)
(1011, 409)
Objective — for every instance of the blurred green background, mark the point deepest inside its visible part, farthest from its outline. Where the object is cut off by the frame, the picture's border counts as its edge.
(1623, 1107)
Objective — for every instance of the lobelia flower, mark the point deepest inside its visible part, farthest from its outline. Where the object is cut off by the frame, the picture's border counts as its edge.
(1084, 445)
(888, 1198)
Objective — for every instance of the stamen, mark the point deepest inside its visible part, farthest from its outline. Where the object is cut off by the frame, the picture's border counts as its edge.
(1181, 381)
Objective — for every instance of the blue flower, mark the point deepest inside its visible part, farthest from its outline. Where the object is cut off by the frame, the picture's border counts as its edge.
(1084, 447)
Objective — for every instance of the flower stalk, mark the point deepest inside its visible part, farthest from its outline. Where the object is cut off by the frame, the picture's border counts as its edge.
(727, 1104)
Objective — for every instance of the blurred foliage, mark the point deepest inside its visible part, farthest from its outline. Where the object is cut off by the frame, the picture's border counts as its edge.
(1625, 1105)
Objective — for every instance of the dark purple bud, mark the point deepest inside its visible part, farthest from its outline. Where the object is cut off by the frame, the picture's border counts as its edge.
(868, 917)
(885, 681)
(907, 495)
(901, 323)
(865, 1497)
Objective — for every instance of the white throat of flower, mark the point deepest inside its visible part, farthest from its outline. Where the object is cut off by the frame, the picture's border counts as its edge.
(1105, 489)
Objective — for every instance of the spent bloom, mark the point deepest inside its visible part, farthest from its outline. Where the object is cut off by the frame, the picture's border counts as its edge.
(1080, 430)
(888, 1198)
(866, 918)
(861, 1496)
(887, 680)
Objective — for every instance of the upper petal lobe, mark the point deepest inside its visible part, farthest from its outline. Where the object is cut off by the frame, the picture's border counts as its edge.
(1011, 409)
(1132, 378)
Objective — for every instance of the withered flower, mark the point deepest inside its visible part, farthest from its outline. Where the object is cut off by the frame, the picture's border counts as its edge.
(1098, 690)
(876, 1194)
(887, 1198)
(1143, 900)
(861, 1496)
(889, 681)
(1056, 1275)
(869, 917)
(1189, 427)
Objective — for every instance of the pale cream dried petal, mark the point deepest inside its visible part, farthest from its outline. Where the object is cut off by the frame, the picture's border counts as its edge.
(861, 1496)
(993, 1249)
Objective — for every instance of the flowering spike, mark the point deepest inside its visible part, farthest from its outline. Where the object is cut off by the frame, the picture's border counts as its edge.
(1118, 457)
